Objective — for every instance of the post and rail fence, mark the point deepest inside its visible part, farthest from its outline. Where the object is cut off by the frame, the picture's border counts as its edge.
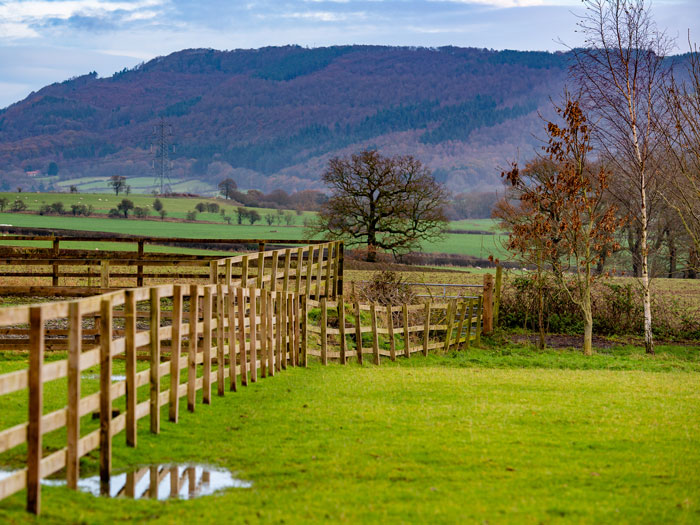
(256, 315)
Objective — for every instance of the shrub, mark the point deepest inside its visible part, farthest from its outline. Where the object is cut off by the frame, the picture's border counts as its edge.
(18, 205)
(192, 215)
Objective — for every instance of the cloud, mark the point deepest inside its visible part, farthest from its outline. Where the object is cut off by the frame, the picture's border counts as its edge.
(23, 19)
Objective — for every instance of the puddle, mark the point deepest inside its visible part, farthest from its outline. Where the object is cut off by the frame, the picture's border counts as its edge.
(96, 377)
(160, 482)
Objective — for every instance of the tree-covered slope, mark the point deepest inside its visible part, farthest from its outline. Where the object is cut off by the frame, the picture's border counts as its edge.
(273, 116)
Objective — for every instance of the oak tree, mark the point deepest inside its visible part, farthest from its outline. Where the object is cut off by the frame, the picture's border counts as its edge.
(388, 203)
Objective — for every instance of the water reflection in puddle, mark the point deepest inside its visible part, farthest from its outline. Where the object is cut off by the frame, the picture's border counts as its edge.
(96, 377)
(160, 482)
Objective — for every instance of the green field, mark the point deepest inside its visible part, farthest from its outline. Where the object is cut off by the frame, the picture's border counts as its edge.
(478, 245)
(444, 439)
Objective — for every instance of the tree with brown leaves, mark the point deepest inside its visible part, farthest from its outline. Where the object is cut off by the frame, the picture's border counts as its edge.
(388, 203)
(565, 219)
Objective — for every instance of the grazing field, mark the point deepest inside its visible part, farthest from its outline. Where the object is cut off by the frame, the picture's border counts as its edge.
(444, 439)
(473, 244)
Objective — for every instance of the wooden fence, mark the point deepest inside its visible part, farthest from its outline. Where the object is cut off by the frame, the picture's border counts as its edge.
(394, 330)
(218, 333)
(71, 272)
(313, 270)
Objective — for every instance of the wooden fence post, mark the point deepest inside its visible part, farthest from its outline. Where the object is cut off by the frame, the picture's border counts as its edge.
(130, 350)
(220, 354)
(319, 270)
(263, 333)
(36, 405)
(273, 270)
(253, 334)
(309, 270)
(426, 329)
(104, 274)
(487, 308)
(284, 319)
(341, 264)
(154, 405)
(287, 263)
(244, 271)
(450, 323)
(243, 352)
(175, 353)
(261, 269)
(206, 343)
(192, 348)
(304, 330)
(105, 390)
(56, 251)
(228, 272)
(295, 313)
(214, 272)
(324, 328)
(289, 356)
(329, 275)
(139, 268)
(479, 320)
(497, 295)
(390, 326)
(278, 329)
(73, 408)
(467, 343)
(406, 332)
(270, 334)
(232, 342)
(341, 327)
(460, 326)
(375, 335)
(299, 268)
(358, 332)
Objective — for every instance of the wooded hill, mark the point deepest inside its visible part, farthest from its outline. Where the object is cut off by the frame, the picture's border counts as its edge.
(272, 117)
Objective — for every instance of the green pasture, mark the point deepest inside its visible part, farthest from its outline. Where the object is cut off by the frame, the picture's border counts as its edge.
(487, 436)
(138, 185)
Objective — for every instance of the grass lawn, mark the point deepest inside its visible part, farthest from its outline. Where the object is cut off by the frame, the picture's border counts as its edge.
(478, 436)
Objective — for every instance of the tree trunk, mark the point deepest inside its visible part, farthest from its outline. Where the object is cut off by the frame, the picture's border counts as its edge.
(671, 259)
(540, 306)
(648, 335)
(587, 308)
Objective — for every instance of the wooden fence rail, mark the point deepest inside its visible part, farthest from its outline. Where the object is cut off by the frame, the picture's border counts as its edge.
(218, 332)
(395, 330)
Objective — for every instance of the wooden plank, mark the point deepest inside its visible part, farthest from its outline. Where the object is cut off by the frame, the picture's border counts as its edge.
(270, 336)
(329, 275)
(341, 326)
(35, 405)
(298, 271)
(263, 334)
(253, 334)
(375, 335)
(131, 386)
(278, 332)
(450, 324)
(406, 332)
(426, 329)
(261, 270)
(232, 342)
(243, 353)
(304, 331)
(288, 349)
(244, 271)
(192, 348)
(154, 329)
(73, 402)
(487, 302)
(460, 326)
(324, 337)
(309, 272)
(497, 294)
(175, 354)
(358, 332)
(479, 320)
(470, 309)
(206, 343)
(106, 391)
(390, 326)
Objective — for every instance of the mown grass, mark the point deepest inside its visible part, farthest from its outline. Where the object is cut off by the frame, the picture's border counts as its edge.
(431, 440)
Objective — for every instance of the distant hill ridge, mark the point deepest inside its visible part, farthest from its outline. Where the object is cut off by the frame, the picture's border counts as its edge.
(272, 117)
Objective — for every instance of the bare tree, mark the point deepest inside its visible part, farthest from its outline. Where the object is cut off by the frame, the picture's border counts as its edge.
(622, 75)
(392, 203)
(683, 138)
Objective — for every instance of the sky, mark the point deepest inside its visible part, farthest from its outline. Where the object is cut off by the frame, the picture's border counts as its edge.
(46, 41)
